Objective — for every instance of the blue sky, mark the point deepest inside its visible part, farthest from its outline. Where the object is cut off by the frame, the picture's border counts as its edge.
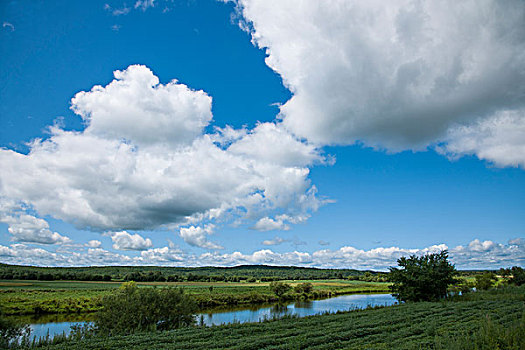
(295, 135)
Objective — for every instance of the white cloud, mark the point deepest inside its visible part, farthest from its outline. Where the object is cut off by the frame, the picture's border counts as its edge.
(163, 255)
(9, 26)
(116, 27)
(269, 224)
(492, 256)
(143, 162)
(322, 242)
(276, 241)
(117, 11)
(25, 227)
(483, 254)
(499, 139)
(196, 236)
(125, 241)
(144, 4)
(137, 108)
(267, 141)
(94, 244)
(398, 74)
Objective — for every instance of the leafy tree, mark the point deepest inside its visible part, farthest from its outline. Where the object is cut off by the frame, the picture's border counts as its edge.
(133, 309)
(423, 278)
(279, 288)
(303, 288)
(485, 281)
(514, 275)
(518, 275)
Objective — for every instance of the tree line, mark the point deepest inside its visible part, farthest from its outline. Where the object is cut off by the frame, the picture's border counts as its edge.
(248, 273)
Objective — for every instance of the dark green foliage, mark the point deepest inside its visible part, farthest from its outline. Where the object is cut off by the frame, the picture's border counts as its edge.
(132, 309)
(514, 275)
(173, 274)
(489, 336)
(279, 288)
(425, 325)
(10, 331)
(424, 278)
(462, 285)
(303, 288)
(485, 281)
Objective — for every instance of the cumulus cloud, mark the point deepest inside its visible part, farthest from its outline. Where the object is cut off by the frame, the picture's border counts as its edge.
(162, 256)
(475, 255)
(94, 244)
(25, 227)
(137, 108)
(125, 241)
(401, 74)
(269, 224)
(483, 254)
(143, 162)
(196, 236)
(276, 241)
(499, 139)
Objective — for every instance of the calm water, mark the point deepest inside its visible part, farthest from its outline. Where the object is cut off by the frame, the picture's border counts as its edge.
(247, 314)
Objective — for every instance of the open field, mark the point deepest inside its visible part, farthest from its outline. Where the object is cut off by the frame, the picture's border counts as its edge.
(484, 320)
(42, 297)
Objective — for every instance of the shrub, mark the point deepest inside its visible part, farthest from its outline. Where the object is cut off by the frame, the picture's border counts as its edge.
(485, 281)
(279, 288)
(133, 309)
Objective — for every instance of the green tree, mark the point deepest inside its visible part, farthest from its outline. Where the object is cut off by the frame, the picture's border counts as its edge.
(303, 288)
(423, 278)
(485, 281)
(517, 275)
(133, 309)
(279, 288)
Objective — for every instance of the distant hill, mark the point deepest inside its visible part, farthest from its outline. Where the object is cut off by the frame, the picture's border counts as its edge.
(158, 273)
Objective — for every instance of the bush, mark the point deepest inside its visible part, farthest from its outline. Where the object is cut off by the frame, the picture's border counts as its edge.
(279, 288)
(485, 281)
(138, 309)
(303, 288)
(424, 278)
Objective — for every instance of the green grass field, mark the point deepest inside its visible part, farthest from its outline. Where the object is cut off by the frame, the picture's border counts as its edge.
(483, 320)
(45, 297)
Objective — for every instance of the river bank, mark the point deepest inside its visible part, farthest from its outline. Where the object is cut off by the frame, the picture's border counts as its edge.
(68, 297)
(476, 320)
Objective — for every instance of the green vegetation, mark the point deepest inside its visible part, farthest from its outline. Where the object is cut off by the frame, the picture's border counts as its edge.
(514, 275)
(485, 281)
(46, 297)
(279, 288)
(483, 320)
(10, 330)
(132, 309)
(424, 278)
(249, 273)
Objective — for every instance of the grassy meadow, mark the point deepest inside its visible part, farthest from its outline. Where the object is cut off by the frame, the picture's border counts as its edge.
(491, 319)
(48, 297)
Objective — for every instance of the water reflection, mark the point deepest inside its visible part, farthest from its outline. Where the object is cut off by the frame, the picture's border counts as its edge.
(300, 308)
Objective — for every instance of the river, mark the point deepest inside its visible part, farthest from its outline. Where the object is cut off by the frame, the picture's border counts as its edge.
(255, 313)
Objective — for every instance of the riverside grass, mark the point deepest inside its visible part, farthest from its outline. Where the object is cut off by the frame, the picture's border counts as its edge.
(62, 297)
(483, 320)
